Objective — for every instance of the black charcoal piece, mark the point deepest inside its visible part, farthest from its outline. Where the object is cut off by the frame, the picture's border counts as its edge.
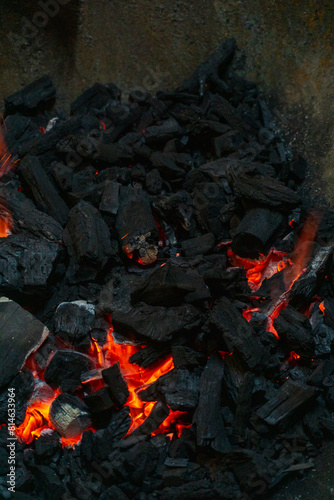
(185, 356)
(99, 401)
(65, 369)
(210, 431)
(155, 323)
(26, 263)
(198, 246)
(23, 385)
(74, 320)
(88, 241)
(292, 400)
(69, 415)
(179, 389)
(43, 191)
(238, 335)
(25, 217)
(47, 445)
(20, 335)
(32, 98)
(158, 414)
(94, 99)
(135, 225)
(153, 181)
(176, 209)
(256, 231)
(170, 285)
(295, 333)
(117, 386)
(211, 70)
(110, 198)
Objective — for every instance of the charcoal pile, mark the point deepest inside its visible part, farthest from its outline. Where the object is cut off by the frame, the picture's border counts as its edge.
(167, 307)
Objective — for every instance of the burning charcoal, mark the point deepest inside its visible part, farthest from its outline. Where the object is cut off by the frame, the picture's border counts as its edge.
(26, 263)
(292, 400)
(23, 384)
(198, 246)
(135, 225)
(47, 445)
(295, 332)
(305, 287)
(210, 431)
(210, 71)
(75, 320)
(88, 241)
(43, 191)
(110, 198)
(178, 389)
(170, 285)
(155, 323)
(328, 308)
(256, 231)
(94, 98)
(265, 191)
(69, 415)
(25, 217)
(153, 181)
(185, 356)
(99, 401)
(237, 334)
(116, 384)
(46, 143)
(150, 354)
(32, 98)
(158, 414)
(65, 369)
(15, 346)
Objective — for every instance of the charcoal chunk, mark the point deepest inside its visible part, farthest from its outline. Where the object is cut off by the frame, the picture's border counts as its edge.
(116, 384)
(198, 246)
(69, 415)
(34, 97)
(65, 369)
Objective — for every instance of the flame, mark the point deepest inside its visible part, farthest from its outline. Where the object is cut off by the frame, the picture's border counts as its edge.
(263, 268)
(322, 308)
(135, 377)
(5, 157)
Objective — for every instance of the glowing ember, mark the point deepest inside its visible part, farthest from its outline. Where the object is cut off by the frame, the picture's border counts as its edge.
(322, 308)
(259, 270)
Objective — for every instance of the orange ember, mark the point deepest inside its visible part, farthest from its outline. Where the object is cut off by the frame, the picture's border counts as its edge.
(259, 270)
(5, 157)
(322, 308)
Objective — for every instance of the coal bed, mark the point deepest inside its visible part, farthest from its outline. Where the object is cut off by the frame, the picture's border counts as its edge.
(167, 298)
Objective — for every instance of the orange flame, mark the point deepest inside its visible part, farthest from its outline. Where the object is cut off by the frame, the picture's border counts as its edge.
(322, 308)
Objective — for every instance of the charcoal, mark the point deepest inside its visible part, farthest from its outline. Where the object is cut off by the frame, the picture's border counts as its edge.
(232, 283)
(75, 320)
(88, 241)
(168, 166)
(265, 191)
(65, 369)
(186, 357)
(110, 198)
(198, 246)
(49, 482)
(154, 323)
(26, 263)
(122, 118)
(295, 333)
(228, 143)
(23, 385)
(210, 72)
(220, 109)
(43, 191)
(209, 200)
(256, 231)
(329, 312)
(158, 414)
(19, 129)
(231, 169)
(96, 98)
(99, 401)
(305, 287)
(135, 225)
(210, 431)
(150, 354)
(179, 389)
(237, 334)
(32, 98)
(153, 181)
(292, 400)
(15, 347)
(323, 338)
(117, 386)
(69, 415)
(326, 227)
(46, 143)
(170, 285)
(243, 408)
(157, 134)
(25, 217)
(47, 445)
